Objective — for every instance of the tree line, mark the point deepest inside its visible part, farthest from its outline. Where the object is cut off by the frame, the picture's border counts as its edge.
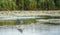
(29, 4)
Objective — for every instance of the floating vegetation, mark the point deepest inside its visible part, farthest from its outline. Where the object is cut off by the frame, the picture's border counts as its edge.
(15, 22)
(8, 22)
(28, 21)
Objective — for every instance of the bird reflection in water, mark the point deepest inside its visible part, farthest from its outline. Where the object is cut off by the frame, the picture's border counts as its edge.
(20, 30)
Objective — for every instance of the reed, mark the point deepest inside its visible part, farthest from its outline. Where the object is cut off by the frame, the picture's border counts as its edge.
(8, 5)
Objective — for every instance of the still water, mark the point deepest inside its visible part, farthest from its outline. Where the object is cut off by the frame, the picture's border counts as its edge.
(32, 29)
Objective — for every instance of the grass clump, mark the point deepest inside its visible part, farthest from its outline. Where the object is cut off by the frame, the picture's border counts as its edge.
(9, 22)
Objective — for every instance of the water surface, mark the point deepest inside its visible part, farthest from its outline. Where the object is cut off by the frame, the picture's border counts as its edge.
(38, 29)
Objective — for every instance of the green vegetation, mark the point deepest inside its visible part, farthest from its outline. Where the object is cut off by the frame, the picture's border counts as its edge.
(29, 21)
(7, 5)
(29, 5)
(15, 22)
(9, 22)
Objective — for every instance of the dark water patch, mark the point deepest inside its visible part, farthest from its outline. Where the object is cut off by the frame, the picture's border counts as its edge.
(49, 17)
(48, 23)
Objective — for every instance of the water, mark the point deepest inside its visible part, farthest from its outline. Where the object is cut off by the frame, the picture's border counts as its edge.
(18, 17)
(37, 29)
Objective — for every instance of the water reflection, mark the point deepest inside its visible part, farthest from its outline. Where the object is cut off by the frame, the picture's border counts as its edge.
(38, 29)
(20, 30)
(9, 31)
